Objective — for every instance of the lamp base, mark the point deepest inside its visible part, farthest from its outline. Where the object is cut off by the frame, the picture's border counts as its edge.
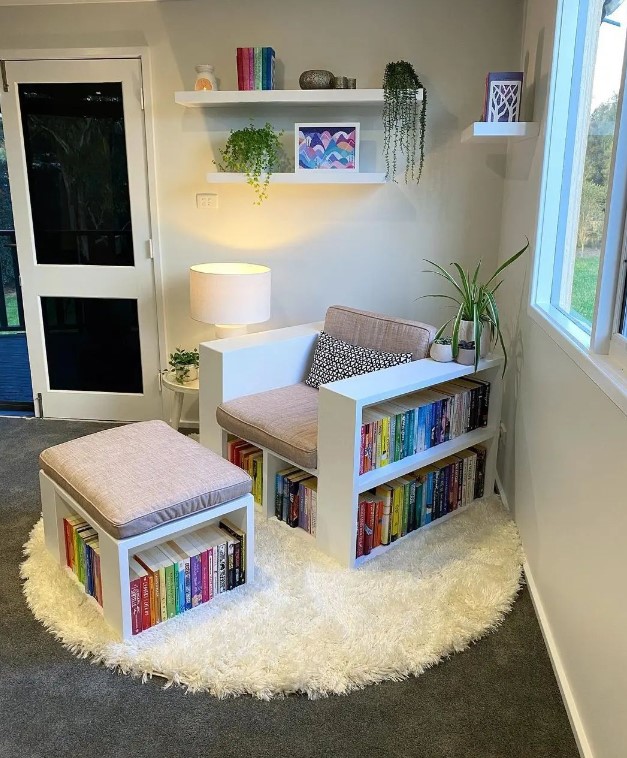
(230, 330)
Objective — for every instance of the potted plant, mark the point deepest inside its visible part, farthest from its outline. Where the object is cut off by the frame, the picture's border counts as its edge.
(477, 321)
(404, 119)
(254, 152)
(184, 363)
(441, 349)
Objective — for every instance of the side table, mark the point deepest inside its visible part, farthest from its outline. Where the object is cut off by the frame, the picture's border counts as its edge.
(179, 390)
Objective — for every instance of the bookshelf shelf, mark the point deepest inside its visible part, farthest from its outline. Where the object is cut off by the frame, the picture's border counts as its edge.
(489, 131)
(281, 97)
(303, 177)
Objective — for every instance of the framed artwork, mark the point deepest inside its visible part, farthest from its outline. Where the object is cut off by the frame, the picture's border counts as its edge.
(503, 96)
(327, 146)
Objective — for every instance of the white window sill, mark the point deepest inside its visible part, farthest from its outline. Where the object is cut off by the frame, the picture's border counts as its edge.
(605, 372)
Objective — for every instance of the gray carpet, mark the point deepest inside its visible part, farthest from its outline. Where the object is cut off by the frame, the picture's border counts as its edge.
(497, 700)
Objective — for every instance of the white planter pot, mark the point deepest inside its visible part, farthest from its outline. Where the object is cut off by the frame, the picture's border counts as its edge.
(467, 334)
(186, 374)
(441, 353)
(466, 356)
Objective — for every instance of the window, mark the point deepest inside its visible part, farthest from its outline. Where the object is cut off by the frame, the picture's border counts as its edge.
(579, 278)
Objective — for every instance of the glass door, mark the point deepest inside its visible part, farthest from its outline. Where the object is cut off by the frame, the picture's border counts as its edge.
(77, 160)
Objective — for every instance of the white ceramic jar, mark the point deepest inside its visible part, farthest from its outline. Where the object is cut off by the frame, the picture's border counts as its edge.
(205, 78)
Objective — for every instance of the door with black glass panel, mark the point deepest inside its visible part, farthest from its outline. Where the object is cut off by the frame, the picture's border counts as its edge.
(76, 154)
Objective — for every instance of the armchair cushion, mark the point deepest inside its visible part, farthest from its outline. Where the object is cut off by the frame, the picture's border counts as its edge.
(284, 420)
(379, 332)
(336, 359)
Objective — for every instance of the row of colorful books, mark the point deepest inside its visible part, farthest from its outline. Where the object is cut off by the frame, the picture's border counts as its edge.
(255, 68)
(250, 458)
(402, 505)
(418, 421)
(185, 572)
(82, 554)
(296, 499)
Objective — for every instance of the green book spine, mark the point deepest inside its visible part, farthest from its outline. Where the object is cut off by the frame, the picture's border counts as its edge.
(412, 522)
(163, 593)
(258, 67)
(170, 594)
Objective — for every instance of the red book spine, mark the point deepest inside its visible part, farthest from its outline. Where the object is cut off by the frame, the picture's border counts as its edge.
(362, 448)
(204, 571)
(251, 68)
(69, 543)
(368, 526)
(240, 69)
(136, 606)
(145, 602)
(360, 530)
(378, 519)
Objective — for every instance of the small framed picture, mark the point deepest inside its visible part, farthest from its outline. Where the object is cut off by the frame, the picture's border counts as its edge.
(327, 146)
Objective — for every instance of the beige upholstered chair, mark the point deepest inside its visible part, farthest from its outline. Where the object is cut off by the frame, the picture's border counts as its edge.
(270, 405)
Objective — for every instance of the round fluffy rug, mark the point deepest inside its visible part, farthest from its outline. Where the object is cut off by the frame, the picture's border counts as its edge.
(306, 625)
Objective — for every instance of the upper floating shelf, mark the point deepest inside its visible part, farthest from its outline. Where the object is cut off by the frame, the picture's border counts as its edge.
(306, 97)
(495, 131)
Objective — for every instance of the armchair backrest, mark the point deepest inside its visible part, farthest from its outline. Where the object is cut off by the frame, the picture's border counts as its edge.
(379, 332)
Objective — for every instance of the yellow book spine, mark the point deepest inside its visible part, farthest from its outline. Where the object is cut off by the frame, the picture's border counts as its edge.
(385, 441)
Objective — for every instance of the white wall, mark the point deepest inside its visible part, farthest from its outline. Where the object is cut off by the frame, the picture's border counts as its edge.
(361, 246)
(562, 463)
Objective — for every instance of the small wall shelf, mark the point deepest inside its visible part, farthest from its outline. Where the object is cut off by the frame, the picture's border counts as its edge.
(303, 177)
(496, 131)
(302, 97)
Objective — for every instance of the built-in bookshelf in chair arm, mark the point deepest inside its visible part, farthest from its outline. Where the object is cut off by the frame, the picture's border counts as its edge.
(256, 363)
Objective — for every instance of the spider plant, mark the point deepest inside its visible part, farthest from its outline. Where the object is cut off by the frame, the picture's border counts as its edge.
(475, 302)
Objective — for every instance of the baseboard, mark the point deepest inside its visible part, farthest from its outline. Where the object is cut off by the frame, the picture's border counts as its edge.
(502, 495)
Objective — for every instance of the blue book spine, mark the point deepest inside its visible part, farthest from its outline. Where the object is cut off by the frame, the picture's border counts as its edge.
(188, 584)
(429, 498)
(196, 580)
(278, 497)
(180, 598)
(267, 68)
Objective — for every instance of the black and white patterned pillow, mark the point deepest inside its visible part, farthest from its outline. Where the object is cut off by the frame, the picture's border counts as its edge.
(335, 359)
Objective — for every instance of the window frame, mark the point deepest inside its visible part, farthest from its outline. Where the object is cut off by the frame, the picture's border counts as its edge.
(602, 352)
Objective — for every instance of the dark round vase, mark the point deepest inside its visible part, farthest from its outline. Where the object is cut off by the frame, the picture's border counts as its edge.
(316, 79)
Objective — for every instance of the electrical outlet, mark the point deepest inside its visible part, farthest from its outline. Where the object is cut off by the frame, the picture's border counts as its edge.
(206, 200)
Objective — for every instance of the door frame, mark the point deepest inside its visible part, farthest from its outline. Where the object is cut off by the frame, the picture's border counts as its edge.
(141, 53)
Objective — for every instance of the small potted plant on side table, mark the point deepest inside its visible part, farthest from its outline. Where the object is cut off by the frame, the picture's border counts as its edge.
(184, 364)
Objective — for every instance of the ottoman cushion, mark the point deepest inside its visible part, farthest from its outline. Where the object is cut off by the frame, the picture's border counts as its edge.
(136, 477)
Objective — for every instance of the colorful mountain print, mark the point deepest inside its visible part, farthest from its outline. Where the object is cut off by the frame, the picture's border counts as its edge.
(327, 147)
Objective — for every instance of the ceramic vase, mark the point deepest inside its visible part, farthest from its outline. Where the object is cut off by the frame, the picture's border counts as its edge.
(467, 334)
(466, 356)
(316, 79)
(441, 353)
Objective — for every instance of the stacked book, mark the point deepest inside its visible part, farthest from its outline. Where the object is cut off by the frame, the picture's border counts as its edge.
(82, 554)
(185, 572)
(412, 423)
(255, 68)
(402, 505)
(296, 499)
(250, 458)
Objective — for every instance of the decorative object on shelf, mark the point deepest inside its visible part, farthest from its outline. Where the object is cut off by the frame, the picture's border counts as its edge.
(254, 152)
(466, 353)
(351, 83)
(327, 147)
(316, 79)
(230, 295)
(184, 364)
(403, 125)
(339, 82)
(476, 304)
(503, 93)
(205, 78)
(441, 350)
(255, 68)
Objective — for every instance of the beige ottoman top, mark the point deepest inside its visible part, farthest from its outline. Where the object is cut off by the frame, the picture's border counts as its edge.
(136, 477)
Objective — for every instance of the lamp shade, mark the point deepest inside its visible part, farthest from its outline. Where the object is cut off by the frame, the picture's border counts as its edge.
(229, 293)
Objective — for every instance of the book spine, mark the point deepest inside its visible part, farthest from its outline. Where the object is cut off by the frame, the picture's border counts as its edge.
(67, 534)
(362, 448)
(163, 593)
(385, 523)
(405, 510)
(314, 512)
(301, 506)
(378, 521)
(292, 519)
(152, 606)
(187, 573)
(251, 68)
(418, 503)
(486, 404)
(361, 519)
(136, 606)
(248, 68)
(258, 66)
(412, 523)
(145, 602)
(285, 500)
(480, 471)
(230, 574)
(204, 578)
(278, 497)
(222, 567)
(240, 68)
(368, 526)
(211, 574)
(196, 570)
(170, 590)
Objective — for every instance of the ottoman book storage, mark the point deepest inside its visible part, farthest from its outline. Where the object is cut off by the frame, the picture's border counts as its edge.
(139, 486)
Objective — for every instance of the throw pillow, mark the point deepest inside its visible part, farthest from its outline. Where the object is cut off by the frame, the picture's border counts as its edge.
(335, 359)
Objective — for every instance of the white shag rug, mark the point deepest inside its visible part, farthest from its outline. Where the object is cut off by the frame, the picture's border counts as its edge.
(305, 625)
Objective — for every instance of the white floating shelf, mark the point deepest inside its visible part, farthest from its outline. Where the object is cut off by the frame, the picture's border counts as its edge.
(314, 176)
(495, 131)
(306, 97)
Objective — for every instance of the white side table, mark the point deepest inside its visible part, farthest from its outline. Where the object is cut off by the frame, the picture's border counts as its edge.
(188, 388)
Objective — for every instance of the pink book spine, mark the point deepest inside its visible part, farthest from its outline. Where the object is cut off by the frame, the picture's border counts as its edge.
(361, 518)
(136, 606)
(240, 69)
(362, 448)
(204, 568)
(245, 71)
(211, 572)
(251, 68)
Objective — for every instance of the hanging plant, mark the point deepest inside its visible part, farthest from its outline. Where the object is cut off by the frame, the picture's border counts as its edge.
(254, 152)
(404, 119)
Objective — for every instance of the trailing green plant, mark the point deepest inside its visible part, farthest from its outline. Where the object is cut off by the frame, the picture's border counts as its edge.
(255, 152)
(475, 302)
(181, 361)
(404, 119)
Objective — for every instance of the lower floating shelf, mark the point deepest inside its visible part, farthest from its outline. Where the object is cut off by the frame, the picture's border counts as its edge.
(321, 176)
(496, 131)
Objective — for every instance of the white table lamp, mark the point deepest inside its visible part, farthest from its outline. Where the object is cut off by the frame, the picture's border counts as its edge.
(229, 295)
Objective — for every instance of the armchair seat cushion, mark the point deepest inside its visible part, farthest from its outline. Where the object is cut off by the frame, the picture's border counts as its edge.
(284, 420)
